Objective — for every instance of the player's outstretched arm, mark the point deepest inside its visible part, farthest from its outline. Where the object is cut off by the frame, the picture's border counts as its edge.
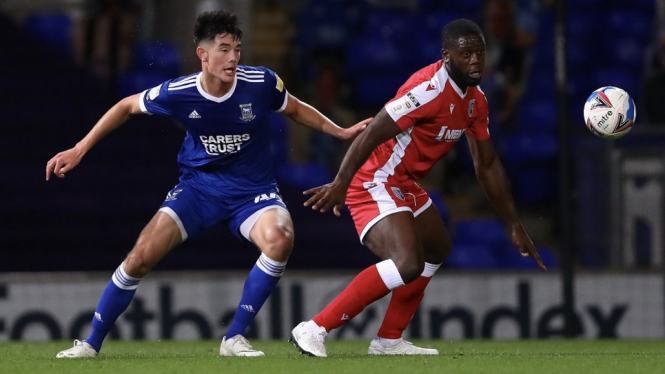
(307, 115)
(493, 180)
(65, 161)
(333, 195)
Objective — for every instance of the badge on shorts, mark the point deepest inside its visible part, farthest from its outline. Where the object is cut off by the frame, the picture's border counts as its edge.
(246, 111)
(398, 193)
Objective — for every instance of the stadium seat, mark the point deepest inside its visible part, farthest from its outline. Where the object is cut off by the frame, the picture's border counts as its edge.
(536, 184)
(303, 176)
(437, 201)
(529, 149)
(53, 29)
(538, 116)
(158, 55)
(472, 256)
(627, 52)
(136, 81)
(619, 77)
(512, 259)
(434, 22)
(629, 23)
(323, 24)
(486, 232)
(373, 54)
(373, 91)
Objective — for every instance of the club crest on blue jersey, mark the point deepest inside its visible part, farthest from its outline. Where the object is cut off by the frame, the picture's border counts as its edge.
(472, 102)
(246, 112)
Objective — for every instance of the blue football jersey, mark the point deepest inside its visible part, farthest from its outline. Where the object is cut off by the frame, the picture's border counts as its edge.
(227, 137)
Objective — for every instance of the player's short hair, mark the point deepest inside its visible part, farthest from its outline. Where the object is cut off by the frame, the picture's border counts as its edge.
(210, 24)
(457, 29)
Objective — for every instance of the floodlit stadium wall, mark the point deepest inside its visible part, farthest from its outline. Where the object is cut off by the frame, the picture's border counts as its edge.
(188, 306)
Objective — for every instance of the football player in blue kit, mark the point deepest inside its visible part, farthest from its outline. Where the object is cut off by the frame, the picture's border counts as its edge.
(226, 174)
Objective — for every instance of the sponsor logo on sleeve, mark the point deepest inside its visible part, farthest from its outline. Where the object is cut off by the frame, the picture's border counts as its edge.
(413, 99)
(280, 84)
(154, 92)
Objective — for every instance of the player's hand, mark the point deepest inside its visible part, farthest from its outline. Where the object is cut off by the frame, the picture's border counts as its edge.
(63, 162)
(522, 241)
(331, 195)
(355, 130)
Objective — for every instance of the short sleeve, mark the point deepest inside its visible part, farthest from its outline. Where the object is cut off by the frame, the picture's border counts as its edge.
(278, 94)
(479, 128)
(412, 105)
(156, 100)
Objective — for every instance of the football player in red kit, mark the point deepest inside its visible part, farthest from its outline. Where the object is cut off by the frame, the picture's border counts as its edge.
(393, 215)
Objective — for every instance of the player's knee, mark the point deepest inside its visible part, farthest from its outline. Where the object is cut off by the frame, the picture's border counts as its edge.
(140, 260)
(278, 243)
(410, 268)
(437, 254)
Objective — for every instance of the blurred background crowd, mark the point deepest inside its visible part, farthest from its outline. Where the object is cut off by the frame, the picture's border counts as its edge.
(65, 62)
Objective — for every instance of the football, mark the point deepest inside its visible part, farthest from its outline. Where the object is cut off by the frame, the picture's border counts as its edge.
(609, 112)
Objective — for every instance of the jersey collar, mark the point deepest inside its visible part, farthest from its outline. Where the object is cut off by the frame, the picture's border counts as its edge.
(443, 76)
(213, 98)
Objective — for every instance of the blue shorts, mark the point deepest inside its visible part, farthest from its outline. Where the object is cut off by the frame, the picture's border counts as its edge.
(196, 207)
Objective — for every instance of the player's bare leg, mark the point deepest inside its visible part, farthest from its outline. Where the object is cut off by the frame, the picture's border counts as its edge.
(403, 261)
(405, 300)
(160, 236)
(273, 234)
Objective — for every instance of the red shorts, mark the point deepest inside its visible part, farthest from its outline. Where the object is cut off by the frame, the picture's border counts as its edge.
(370, 201)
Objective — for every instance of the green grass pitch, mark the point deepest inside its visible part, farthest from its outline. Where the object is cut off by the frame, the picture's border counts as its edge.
(458, 357)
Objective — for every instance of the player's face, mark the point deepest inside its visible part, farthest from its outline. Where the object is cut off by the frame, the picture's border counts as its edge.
(466, 60)
(221, 56)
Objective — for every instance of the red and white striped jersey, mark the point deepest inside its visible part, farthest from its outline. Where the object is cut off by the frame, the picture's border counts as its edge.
(433, 113)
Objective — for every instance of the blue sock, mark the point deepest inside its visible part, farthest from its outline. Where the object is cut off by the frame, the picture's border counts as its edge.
(259, 284)
(115, 299)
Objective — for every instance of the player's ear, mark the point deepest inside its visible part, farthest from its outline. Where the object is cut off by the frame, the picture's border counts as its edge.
(445, 54)
(202, 53)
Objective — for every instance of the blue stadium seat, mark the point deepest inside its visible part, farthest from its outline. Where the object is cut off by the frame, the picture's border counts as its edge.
(398, 26)
(323, 24)
(53, 29)
(486, 232)
(434, 22)
(373, 54)
(158, 55)
(619, 77)
(472, 256)
(627, 52)
(512, 259)
(536, 184)
(579, 27)
(135, 81)
(631, 23)
(374, 91)
(437, 201)
(528, 149)
(303, 176)
(538, 116)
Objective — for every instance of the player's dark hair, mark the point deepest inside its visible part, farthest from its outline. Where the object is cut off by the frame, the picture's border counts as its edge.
(457, 29)
(210, 24)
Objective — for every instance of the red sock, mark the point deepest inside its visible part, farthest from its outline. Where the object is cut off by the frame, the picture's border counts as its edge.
(403, 305)
(366, 288)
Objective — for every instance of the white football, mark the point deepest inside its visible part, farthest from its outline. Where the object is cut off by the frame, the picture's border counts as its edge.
(609, 112)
